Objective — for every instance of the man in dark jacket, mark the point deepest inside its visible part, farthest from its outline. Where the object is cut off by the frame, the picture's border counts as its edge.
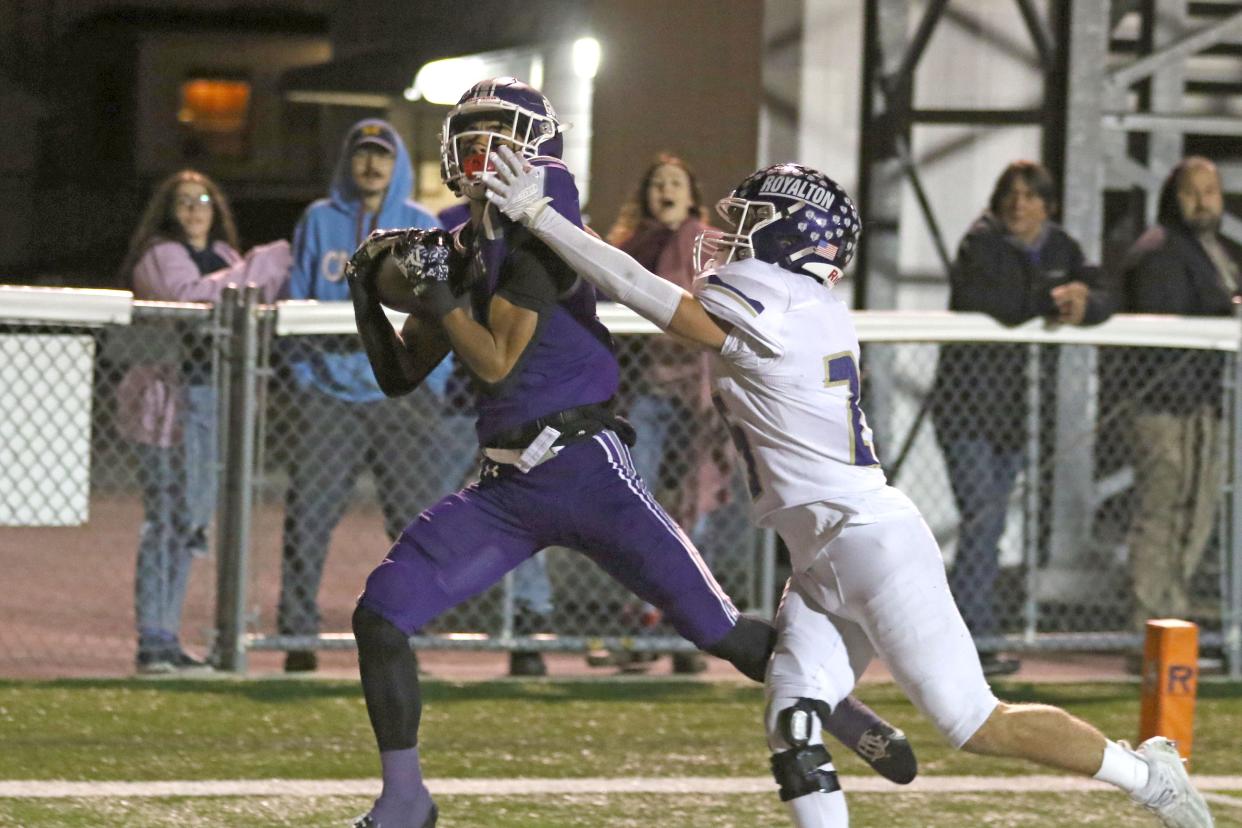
(1014, 264)
(1180, 266)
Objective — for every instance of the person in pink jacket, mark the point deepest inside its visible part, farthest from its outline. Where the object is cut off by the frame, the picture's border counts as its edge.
(683, 448)
(184, 250)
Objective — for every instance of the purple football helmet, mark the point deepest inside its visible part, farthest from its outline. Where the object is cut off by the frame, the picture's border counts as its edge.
(499, 110)
(789, 215)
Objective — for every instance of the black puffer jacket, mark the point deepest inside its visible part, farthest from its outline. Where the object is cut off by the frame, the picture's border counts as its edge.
(1168, 271)
(980, 390)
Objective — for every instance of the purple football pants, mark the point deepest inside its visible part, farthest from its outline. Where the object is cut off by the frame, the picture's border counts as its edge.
(588, 498)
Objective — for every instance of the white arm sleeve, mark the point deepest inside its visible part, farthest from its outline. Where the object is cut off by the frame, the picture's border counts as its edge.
(612, 271)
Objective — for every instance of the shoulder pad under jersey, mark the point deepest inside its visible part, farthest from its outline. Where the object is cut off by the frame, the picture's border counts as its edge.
(752, 296)
(559, 183)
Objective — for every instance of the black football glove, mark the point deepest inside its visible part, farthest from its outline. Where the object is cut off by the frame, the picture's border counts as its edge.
(427, 259)
(363, 267)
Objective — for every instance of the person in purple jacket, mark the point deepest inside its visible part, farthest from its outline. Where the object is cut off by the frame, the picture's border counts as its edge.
(557, 468)
(183, 250)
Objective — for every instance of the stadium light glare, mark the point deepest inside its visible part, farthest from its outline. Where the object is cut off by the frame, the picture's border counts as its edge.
(586, 56)
(443, 81)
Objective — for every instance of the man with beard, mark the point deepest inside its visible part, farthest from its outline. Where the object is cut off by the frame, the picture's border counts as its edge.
(1182, 266)
(340, 420)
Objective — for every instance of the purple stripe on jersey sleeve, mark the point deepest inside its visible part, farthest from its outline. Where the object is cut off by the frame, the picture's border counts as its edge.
(713, 279)
(559, 183)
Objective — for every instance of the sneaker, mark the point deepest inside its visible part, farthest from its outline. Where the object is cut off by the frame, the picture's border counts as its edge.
(887, 750)
(149, 663)
(367, 821)
(301, 661)
(633, 661)
(196, 545)
(527, 663)
(1169, 793)
(600, 657)
(183, 662)
(689, 664)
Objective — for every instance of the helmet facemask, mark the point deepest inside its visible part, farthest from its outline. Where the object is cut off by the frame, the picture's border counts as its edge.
(488, 126)
(716, 248)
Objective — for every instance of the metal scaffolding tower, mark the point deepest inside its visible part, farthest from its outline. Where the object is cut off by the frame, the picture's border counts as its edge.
(1129, 87)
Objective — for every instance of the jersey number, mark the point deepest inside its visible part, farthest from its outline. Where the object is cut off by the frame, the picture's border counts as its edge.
(842, 369)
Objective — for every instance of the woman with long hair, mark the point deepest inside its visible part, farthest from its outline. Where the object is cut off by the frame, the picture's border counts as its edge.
(682, 450)
(183, 250)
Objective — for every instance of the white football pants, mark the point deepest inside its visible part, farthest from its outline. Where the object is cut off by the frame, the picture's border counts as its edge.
(871, 588)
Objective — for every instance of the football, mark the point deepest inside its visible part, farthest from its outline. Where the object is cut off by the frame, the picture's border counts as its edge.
(394, 289)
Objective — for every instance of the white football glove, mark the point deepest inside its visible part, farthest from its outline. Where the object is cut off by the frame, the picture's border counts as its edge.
(516, 188)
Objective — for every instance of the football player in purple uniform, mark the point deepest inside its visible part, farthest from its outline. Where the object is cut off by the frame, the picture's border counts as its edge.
(556, 468)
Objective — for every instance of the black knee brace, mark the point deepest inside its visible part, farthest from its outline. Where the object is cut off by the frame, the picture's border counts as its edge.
(747, 646)
(798, 724)
(389, 680)
(797, 770)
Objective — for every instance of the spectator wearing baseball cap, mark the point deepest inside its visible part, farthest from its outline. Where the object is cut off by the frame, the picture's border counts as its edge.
(372, 134)
(341, 422)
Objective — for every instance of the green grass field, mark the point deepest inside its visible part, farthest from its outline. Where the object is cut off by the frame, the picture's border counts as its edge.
(145, 731)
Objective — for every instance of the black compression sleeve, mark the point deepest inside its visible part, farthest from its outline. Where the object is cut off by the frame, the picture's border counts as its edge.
(381, 343)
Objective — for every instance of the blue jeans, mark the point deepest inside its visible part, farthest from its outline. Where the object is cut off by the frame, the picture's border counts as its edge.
(531, 588)
(982, 475)
(653, 418)
(334, 440)
(202, 460)
(179, 498)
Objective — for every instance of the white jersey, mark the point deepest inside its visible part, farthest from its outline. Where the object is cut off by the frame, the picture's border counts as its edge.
(787, 382)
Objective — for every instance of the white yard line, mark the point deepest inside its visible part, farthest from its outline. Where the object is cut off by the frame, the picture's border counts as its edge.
(520, 787)
(1221, 799)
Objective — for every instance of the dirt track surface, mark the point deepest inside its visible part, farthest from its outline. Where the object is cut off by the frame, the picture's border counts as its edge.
(66, 608)
(67, 603)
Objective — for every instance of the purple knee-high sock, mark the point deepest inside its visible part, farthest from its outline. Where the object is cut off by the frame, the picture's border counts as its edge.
(404, 801)
(849, 720)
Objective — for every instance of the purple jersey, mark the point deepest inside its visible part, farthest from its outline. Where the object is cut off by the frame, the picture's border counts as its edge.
(569, 361)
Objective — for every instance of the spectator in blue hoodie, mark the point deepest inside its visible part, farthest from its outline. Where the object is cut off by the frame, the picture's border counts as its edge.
(342, 421)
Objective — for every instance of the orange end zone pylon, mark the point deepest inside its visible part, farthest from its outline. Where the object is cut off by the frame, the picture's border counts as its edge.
(1170, 682)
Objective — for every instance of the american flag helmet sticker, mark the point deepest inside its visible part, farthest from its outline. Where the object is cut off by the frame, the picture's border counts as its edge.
(827, 250)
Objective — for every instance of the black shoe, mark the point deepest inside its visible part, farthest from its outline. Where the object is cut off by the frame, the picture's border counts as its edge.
(197, 543)
(186, 663)
(887, 750)
(154, 663)
(365, 821)
(301, 661)
(527, 663)
(600, 657)
(689, 664)
(633, 661)
(995, 664)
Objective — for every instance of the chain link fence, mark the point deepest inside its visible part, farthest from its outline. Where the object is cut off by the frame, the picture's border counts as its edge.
(1077, 481)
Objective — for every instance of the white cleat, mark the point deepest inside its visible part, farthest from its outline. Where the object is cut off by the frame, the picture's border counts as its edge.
(1169, 793)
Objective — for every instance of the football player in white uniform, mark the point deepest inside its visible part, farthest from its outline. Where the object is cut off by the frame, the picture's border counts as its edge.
(868, 577)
